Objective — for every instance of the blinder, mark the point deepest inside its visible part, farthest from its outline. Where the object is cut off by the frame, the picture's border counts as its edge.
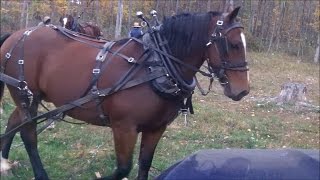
(219, 38)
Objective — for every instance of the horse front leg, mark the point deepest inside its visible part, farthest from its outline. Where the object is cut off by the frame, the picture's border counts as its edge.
(148, 145)
(124, 141)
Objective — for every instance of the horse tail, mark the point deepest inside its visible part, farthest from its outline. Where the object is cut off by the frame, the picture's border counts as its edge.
(2, 39)
(1, 89)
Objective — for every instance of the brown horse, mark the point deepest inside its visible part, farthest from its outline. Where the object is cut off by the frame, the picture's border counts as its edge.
(68, 22)
(51, 66)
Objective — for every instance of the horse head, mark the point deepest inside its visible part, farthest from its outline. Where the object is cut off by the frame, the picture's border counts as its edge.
(66, 21)
(226, 54)
(216, 37)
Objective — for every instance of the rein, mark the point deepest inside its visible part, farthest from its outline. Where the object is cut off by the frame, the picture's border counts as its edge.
(174, 59)
(83, 39)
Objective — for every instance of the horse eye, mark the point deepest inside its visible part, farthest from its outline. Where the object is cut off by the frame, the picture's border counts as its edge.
(237, 46)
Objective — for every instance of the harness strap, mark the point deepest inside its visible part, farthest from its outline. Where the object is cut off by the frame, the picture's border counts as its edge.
(25, 95)
(9, 80)
(84, 100)
(204, 93)
(172, 68)
(71, 35)
(96, 74)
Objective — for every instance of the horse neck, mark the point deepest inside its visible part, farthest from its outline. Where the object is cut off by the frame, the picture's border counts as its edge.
(195, 61)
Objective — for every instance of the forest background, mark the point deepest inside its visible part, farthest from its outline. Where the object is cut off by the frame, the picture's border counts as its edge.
(283, 43)
(286, 26)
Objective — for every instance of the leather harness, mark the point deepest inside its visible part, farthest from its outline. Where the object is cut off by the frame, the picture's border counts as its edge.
(181, 89)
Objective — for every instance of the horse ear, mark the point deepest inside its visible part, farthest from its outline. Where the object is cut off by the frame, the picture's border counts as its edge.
(233, 14)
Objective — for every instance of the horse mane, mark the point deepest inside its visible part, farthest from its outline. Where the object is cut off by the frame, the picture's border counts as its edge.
(187, 33)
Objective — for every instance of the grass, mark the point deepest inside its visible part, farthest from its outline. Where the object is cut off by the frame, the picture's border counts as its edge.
(78, 151)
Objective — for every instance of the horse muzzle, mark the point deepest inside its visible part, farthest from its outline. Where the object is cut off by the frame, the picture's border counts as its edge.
(237, 97)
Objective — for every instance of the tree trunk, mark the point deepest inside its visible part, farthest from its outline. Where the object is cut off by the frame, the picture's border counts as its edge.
(177, 6)
(317, 54)
(27, 15)
(280, 23)
(119, 19)
(97, 7)
(209, 5)
(157, 5)
(111, 30)
(189, 6)
(251, 21)
(130, 14)
(228, 6)
(255, 18)
(23, 14)
(263, 26)
(302, 29)
(272, 36)
(53, 10)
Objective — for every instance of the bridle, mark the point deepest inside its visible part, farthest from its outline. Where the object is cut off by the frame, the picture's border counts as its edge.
(221, 42)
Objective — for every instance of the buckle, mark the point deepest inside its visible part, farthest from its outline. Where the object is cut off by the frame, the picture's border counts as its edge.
(219, 22)
(216, 34)
(131, 60)
(96, 71)
(8, 55)
(27, 32)
(100, 57)
(21, 61)
(22, 85)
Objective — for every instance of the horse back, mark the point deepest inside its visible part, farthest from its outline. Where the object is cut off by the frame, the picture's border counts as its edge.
(50, 59)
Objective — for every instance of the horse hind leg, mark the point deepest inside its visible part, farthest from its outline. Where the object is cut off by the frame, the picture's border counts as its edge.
(7, 141)
(29, 137)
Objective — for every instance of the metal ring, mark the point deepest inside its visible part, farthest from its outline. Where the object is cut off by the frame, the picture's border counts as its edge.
(143, 24)
(27, 33)
(219, 22)
(8, 55)
(21, 61)
(100, 57)
(131, 59)
(96, 71)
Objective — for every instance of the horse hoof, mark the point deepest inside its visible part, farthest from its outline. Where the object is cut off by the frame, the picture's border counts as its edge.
(51, 126)
(108, 178)
(5, 166)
